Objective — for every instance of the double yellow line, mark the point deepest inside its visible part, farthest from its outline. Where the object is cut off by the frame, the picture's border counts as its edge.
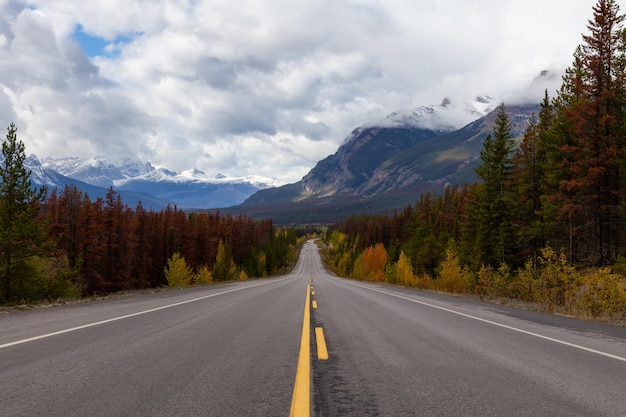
(301, 400)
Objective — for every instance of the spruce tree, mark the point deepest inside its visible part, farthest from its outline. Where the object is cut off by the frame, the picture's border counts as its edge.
(495, 235)
(20, 231)
(590, 132)
(534, 217)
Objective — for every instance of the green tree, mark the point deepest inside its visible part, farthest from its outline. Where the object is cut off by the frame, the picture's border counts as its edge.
(21, 234)
(492, 215)
(533, 217)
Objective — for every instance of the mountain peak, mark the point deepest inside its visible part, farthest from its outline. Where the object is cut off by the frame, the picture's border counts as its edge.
(450, 115)
(193, 173)
(131, 177)
(98, 170)
(382, 168)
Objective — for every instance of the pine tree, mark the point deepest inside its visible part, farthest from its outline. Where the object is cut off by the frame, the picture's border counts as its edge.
(20, 232)
(533, 217)
(492, 210)
(591, 123)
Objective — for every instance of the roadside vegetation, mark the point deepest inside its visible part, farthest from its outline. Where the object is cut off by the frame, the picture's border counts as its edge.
(63, 245)
(546, 224)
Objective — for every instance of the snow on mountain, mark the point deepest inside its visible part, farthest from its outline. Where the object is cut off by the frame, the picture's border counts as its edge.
(187, 189)
(105, 172)
(39, 175)
(98, 170)
(450, 115)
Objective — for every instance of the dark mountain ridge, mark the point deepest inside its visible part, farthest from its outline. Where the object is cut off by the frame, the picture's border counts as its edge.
(379, 169)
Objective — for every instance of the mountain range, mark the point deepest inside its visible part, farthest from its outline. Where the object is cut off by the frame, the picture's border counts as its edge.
(381, 166)
(387, 165)
(137, 181)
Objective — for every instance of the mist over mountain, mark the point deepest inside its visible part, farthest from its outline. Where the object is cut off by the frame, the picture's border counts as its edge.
(451, 114)
(388, 164)
(381, 165)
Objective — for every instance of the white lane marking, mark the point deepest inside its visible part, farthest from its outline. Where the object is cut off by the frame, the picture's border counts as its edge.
(551, 339)
(139, 313)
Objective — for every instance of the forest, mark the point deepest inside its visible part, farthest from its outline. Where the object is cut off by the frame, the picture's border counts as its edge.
(61, 244)
(546, 221)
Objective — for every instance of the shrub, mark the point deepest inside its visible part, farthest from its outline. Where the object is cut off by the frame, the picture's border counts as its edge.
(452, 277)
(202, 276)
(602, 292)
(177, 273)
(493, 283)
(50, 278)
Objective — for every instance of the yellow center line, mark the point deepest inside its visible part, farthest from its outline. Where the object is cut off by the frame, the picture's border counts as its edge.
(300, 402)
(322, 351)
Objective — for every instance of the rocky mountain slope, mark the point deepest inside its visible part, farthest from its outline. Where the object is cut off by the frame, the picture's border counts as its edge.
(383, 166)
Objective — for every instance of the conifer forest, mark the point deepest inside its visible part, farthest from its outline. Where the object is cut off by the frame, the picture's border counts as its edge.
(546, 222)
(64, 245)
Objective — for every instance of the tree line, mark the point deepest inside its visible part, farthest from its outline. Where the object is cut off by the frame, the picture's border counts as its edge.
(64, 244)
(545, 222)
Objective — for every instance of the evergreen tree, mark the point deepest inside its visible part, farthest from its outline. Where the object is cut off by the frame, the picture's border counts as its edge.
(20, 232)
(491, 214)
(530, 182)
(590, 133)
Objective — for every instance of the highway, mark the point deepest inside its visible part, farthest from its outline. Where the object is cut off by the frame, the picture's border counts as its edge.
(234, 350)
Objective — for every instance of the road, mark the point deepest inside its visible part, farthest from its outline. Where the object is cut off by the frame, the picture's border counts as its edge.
(233, 350)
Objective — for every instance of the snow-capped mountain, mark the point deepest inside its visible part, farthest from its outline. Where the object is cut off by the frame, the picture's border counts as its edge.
(156, 187)
(451, 114)
(136, 180)
(380, 169)
(97, 170)
(106, 172)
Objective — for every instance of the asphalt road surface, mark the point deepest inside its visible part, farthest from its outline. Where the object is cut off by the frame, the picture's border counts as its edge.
(232, 350)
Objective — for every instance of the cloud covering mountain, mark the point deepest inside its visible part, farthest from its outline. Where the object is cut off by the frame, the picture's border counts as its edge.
(259, 87)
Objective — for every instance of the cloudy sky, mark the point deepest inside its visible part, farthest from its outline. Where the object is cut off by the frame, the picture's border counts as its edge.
(265, 87)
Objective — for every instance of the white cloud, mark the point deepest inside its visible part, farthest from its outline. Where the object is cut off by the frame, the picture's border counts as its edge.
(267, 87)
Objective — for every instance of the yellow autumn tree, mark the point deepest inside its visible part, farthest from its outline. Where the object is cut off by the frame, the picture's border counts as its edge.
(203, 276)
(401, 272)
(224, 268)
(404, 271)
(177, 273)
(374, 262)
(453, 278)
